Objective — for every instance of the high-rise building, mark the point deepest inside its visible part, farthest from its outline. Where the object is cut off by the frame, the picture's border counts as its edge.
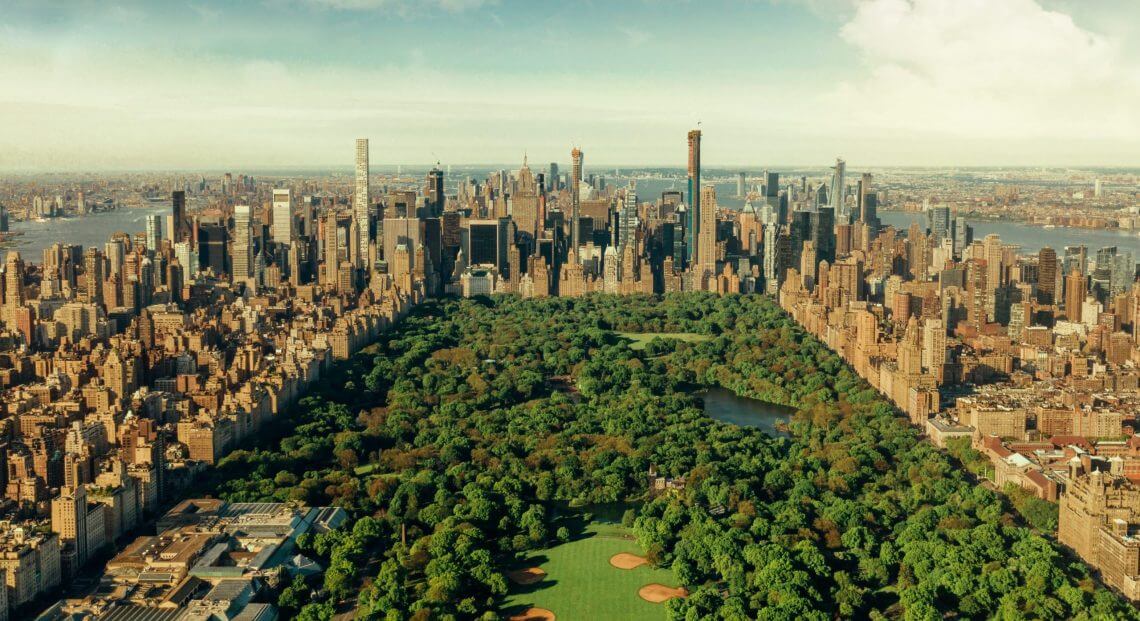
(692, 225)
(282, 216)
(552, 183)
(331, 249)
(868, 203)
(938, 221)
(1047, 276)
(179, 226)
(741, 188)
(575, 202)
(243, 251)
(153, 232)
(361, 204)
(69, 520)
(13, 283)
(1076, 290)
(706, 244)
(963, 235)
(838, 190)
(435, 193)
(628, 219)
(93, 275)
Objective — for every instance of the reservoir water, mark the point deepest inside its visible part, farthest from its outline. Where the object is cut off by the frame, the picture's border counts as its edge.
(725, 406)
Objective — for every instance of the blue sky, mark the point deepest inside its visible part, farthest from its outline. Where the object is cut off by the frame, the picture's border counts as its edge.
(292, 82)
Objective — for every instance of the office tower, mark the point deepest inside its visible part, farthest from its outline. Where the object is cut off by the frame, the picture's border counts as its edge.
(1097, 191)
(435, 193)
(706, 244)
(628, 219)
(938, 221)
(553, 183)
(575, 200)
(822, 224)
(1123, 273)
(693, 213)
(93, 275)
(69, 520)
(1076, 258)
(836, 194)
(282, 216)
(179, 227)
(243, 251)
(1076, 290)
(153, 232)
(483, 242)
(361, 203)
(1102, 273)
(963, 235)
(331, 250)
(14, 295)
(3, 219)
(868, 203)
(740, 185)
(116, 254)
(213, 247)
(187, 257)
(1047, 276)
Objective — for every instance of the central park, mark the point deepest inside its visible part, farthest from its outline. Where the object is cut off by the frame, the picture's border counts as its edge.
(504, 458)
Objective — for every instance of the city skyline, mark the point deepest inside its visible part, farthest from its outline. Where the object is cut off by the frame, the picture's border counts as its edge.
(881, 82)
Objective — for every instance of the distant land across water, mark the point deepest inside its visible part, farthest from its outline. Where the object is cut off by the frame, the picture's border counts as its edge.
(1032, 237)
(96, 228)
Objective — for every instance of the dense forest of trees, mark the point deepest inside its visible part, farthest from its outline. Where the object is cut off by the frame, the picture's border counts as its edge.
(460, 439)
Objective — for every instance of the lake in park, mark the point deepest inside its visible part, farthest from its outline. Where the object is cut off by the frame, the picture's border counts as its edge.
(725, 406)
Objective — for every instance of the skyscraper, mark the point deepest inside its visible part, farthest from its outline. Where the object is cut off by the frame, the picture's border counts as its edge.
(692, 226)
(178, 225)
(706, 244)
(242, 254)
(575, 200)
(868, 203)
(1076, 290)
(741, 188)
(1047, 276)
(153, 232)
(628, 218)
(435, 193)
(282, 216)
(838, 190)
(552, 182)
(361, 204)
(938, 221)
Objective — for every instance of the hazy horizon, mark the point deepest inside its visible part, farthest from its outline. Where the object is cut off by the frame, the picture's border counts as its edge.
(290, 83)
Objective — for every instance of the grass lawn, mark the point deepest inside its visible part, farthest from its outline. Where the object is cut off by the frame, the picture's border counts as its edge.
(580, 583)
(641, 339)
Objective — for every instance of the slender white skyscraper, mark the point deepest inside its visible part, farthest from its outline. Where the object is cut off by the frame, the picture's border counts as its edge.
(361, 203)
(242, 254)
(282, 216)
(838, 190)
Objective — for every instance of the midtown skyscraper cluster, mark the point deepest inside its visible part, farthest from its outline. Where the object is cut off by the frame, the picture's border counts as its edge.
(130, 367)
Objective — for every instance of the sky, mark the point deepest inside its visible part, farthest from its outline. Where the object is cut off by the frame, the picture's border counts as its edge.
(213, 84)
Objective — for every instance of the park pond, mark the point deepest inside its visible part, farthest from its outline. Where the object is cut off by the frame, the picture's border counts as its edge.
(726, 406)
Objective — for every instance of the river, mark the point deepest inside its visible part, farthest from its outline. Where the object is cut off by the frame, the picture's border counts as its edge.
(1030, 237)
(725, 406)
(93, 229)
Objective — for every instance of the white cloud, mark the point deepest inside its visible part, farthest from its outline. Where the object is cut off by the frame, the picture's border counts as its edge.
(986, 68)
(401, 6)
